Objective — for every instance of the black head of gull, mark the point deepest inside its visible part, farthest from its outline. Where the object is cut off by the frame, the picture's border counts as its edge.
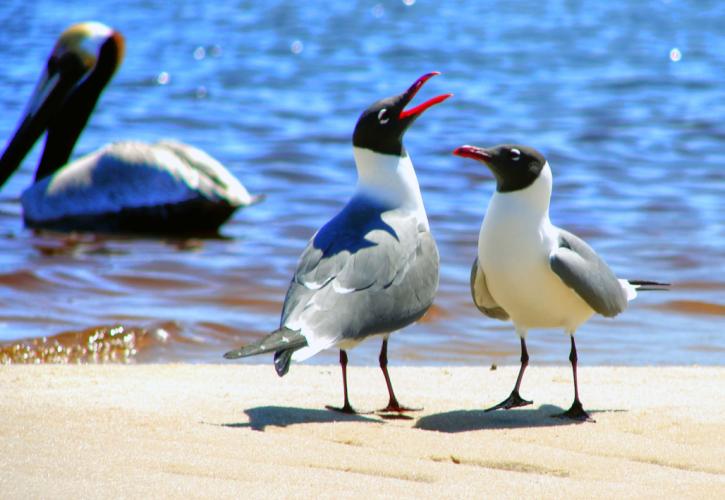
(381, 127)
(515, 166)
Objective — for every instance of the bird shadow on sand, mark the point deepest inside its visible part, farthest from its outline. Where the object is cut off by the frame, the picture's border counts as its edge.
(283, 416)
(474, 420)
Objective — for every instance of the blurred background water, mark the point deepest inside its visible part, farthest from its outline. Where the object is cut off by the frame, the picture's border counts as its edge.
(626, 99)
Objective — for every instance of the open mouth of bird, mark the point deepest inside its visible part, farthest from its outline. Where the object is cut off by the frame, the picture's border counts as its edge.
(410, 94)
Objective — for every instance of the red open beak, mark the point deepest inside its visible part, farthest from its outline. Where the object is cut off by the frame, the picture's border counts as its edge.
(410, 93)
(473, 152)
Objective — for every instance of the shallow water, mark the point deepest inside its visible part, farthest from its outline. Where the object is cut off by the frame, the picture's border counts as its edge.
(627, 102)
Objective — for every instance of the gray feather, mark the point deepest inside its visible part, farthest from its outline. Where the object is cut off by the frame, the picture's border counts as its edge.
(482, 297)
(580, 268)
(369, 270)
(282, 339)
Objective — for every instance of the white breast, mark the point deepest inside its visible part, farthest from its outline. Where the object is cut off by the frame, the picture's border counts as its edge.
(514, 245)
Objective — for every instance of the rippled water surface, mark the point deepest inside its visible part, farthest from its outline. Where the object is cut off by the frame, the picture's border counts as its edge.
(626, 99)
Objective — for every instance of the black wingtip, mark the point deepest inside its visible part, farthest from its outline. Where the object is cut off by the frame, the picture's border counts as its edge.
(282, 361)
(645, 285)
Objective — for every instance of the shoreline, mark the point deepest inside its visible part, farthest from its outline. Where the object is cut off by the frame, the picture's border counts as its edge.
(179, 430)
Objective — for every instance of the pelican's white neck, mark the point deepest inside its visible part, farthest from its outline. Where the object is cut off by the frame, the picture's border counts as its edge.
(390, 179)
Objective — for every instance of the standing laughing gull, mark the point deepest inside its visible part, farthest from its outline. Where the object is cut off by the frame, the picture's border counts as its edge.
(373, 268)
(532, 272)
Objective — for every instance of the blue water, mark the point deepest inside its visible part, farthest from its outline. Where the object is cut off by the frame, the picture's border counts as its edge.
(626, 100)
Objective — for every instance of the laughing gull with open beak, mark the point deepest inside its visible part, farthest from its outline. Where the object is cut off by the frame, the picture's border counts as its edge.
(532, 272)
(373, 268)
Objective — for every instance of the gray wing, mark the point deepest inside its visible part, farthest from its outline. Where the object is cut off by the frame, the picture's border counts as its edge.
(369, 270)
(581, 269)
(482, 297)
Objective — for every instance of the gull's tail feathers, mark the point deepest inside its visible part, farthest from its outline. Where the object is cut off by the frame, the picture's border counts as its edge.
(643, 285)
(631, 287)
(282, 342)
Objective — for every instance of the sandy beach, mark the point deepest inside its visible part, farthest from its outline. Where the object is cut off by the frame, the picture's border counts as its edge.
(240, 431)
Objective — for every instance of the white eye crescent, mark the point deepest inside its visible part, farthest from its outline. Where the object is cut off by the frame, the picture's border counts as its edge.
(381, 116)
(515, 154)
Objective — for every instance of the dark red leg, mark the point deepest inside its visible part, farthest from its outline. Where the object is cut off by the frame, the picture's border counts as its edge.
(515, 400)
(576, 412)
(393, 405)
(346, 408)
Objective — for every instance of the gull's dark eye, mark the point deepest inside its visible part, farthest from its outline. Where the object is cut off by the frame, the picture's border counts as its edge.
(515, 154)
(383, 116)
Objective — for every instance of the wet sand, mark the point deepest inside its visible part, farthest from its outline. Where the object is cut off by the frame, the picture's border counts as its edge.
(239, 431)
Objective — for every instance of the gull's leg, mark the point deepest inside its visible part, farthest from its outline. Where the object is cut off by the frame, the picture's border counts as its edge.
(515, 400)
(346, 408)
(393, 405)
(576, 412)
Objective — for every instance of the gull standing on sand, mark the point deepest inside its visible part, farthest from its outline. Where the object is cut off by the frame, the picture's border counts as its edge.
(128, 186)
(532, 272)
(373, 268)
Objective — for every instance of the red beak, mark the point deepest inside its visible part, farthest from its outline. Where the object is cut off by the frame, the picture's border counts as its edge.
(410, 93)
(473, 152)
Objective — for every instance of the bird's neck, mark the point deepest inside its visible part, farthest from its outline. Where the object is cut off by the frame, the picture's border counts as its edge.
(531, 203)
(389, 179)
(70, 120)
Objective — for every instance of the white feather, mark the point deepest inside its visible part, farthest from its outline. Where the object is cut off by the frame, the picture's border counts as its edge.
(629, 289)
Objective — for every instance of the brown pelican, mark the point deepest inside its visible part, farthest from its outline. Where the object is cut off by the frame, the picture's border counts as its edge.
(167, 187)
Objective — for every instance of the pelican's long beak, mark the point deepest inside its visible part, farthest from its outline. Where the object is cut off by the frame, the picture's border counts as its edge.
(49, 94)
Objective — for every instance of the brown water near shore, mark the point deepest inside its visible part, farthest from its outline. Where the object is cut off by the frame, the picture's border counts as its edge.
(158, 301)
